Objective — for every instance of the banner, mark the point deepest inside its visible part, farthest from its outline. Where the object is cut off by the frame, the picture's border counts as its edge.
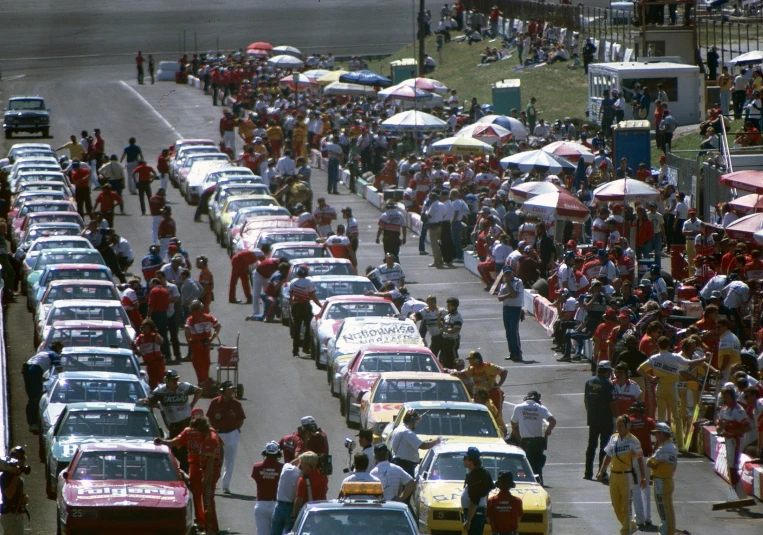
(545, 313)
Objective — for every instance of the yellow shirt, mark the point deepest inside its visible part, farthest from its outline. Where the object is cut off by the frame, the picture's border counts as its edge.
(664, 461)
(246, 129)
(300, 131)
(623, 451)
(725, 81)
(76, 150)
(275, 133)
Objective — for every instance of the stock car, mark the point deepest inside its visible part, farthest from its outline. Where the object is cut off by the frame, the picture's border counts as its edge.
(102, 359)
(82, 310)
(296, 251)
(119, 488)
(192, 190)
(286, 235)
(46, 230)
(51, 242)
(63, 189)
(87, 387)
(245, 237)
(326, 286)
(43, 205)
(453, 421)
(223, 192)
(88, 333)
(87, 423)
(22, 198)
(326, 322)
(74, 289)
(232, 205)
(20, 148)
(25, 177)
(186, 148)
(243, 220)
(188, 163)
(46, 217)
(52, 257)
(360, 374)
(436, 502)
(88, 272)
(354, 333)
(229, 174)
(34, 163)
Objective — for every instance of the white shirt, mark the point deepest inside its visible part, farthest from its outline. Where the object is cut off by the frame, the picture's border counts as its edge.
(500, 253)
(124, 248)
(669, 363)
(693, 226)
(392, 477)
(411, 306)
(287, 484)
(513, 259)
(360, 477)
(681, 211)
(436, 212)
(728, 218)
(735, 294)
(729, 342)
(715, 284)
(448, 211)
(598, 231)
(529, 416)
(394, 273)
(460, 209)
(518, 287)
(405, 443)
(563, 275)
(286, 166)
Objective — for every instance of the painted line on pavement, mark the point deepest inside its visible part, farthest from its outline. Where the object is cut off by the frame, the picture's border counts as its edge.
(150, 107)
(582, 464)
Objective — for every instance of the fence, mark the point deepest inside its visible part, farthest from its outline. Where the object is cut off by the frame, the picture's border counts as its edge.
(732, 38)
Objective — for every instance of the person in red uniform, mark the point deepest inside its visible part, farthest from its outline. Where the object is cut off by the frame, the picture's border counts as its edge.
(504, 510)
(163, 169)
(318, 488)
(158, 305)
(148, 345)
(166, 231)
(80, 179)
(240, 264)
(143, 175)
(312, 437)
(131, 302)
(340, 246)
(290, 446)
(266, 475)
(207, 281)
(107, 199)
(226, 415)
(200, 329)
(205, 454)
(250, 159)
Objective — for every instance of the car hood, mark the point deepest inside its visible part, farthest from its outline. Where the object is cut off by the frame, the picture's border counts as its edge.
(53, 411)
(362, 381)
(64, 448)
(171, 494)
(328, 328)
(383, 412)
(447, 495)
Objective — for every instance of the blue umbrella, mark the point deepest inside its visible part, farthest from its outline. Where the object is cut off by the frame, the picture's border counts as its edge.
(365, 77)
(580, 175)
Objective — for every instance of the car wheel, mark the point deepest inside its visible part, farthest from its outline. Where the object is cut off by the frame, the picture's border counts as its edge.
(46, 132)
(347, 420)
(284, 317)
(50, 489)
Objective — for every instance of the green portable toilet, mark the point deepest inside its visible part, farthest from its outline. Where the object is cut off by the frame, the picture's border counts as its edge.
(506, 95)
(402, 69)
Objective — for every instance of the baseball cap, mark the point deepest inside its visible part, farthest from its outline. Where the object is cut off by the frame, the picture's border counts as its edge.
(506, 477)
(605, 365)
(308, 421)
(226, 385)
(475, 355)
(507, 269)
(272, 448)
(662, 427)
(368, 434)
(571, 244)
(655, 269)
(624, 314)
(528, 249)
(178, 258)
(533, 394)
(486, 209)
(715, 294)
(610, 313)
(258, 139)
(569, 255)
(197, 413)
(171, 373)
(692, 211)
(667, 305)
(161, 191)
(472, 453)
(602, 252)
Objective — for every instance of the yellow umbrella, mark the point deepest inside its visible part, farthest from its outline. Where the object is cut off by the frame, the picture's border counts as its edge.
(331, 77)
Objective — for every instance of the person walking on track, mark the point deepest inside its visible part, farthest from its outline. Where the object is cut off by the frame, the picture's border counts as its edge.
(393, 229)
(134, 155)
(207, 281)
(226, 415)
(301, 293)
(527, 426)
(200, 329)
(266, 475)
(599, 400)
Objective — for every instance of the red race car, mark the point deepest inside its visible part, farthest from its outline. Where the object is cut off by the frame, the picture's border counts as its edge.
(117, 488)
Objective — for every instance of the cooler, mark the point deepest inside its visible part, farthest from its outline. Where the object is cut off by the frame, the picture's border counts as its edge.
(402, 69)
(679, 267)
(506, 96)
(692, 309)
(685, 293)
(643, 268)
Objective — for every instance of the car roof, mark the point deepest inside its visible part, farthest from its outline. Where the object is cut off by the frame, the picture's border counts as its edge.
(356, 504)
(244, 171)
(453, 405)
(355, 298)
(233, 198)
(33, 97)
(338, 278)
(395, 348)
(296, 245)
(66, 215)
(86, 303)
(455, 446)
(24, 172)
(295, 230)
(98, 376)
(98, 267)
(146, 447)
(74, 239)
(43, 202)
(52, 224)
(107, 351)
(109, 406)
(40, 183)
(66, 250)
(90, 324)
(423, 376)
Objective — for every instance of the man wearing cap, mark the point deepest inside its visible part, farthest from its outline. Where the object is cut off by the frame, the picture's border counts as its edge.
(351, 227)
(477, 486)
(266, 475)
(240, 266)
(156, 204)
(660, 315)
(565, 271)
(228, 129)
(729, 348)
(527, 424)
(226, 415)
(143, 175)
(405, 443)
(483, 375)
(393, 228)
(599, 400)
(641, 427)
(366, 443)
(166, 230)
(504, 510)
(397, 484)
(691, 228)
(360, 471)
(511, 295)
(114, 174)
(663, 465)
(200, 329)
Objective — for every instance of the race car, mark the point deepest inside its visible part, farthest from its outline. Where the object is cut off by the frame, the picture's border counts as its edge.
(53, 272)
(437, 499)
(49, 242)
(43, 205)
(26, 176)
(82, 310)
(83, 423)
(44, 230)
(53, 257)
(46, 217)
(102, 359)
(326, 322)
(59, 187)
(244, 238)
(186, 167)
(186, 147)
(118, 488)
(355, 333)
(244, 218)
(326, 286)
(232, 205)
(287, 235)
(88, 333)
(453, 421)
(22, 198)
(221, 195)
(74, 289)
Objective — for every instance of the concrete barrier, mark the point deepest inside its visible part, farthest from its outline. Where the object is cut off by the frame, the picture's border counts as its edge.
(750, 471)
(5, 417)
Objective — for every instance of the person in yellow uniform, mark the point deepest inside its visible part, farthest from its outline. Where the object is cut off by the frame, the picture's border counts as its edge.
(484, 375)
(729, 348)
(622, 450)
(663, 465)
(688, 391)
(299, 137)
(669, 368)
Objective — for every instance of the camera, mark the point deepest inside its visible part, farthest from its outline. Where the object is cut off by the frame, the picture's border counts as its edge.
(9, 464)
(349, 444)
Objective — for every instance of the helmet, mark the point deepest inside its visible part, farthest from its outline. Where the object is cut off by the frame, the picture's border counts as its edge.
(171, 373)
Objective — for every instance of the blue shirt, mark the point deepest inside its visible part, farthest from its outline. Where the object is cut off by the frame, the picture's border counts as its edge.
(132, 152)
(599, 393)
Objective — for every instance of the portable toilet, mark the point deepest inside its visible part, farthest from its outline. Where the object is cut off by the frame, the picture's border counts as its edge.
(402, 69)
(630, 140)
(506, 95)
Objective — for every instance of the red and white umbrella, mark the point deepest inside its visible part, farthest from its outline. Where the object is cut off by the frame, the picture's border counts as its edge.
(745, 180)
(260, 45)
(426, 84)
(488, 133)
(258, 53)
(745, 227)
(528, 190)
(561, 204)
(753, 201)
(625, 190)
(298, 81)
(569, 150)
(405, 92)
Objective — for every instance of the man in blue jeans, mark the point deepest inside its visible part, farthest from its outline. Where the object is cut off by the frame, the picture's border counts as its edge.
(285, 496)
(594, 304)
(511, 294)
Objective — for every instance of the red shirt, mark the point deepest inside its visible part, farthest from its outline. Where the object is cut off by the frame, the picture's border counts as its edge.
(641, 428)
(319, 485)
(251, 161)
(81, 178)
(648, 346)
(198, 445)
(162, 165)
(108, 199)
(227, 124)
(244, 258)
(149, 347)
(225, 415)
(98, 145)
(159, 299)
(267, 267)
(139, 60)
(156, 204)
(167, 228)
(643, 174)
(317, 443)
(290, 445)
(504, 511)
(266, 475)
(144, 172)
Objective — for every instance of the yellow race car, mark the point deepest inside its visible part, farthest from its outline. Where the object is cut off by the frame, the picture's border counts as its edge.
(437, 498)
(232, 205)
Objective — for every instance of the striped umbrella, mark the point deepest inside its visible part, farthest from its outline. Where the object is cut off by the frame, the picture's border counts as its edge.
(302, 82)
(404, 92)
(461, 145)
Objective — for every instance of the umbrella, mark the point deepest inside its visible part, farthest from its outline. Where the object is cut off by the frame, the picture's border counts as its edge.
(257, 52)
(260, 45)
(758, 237)
(561, 204)
(286, 62)
(365, 77)
(303, 82)
(540, 161)
(747, 180)
(414, 120)
(745, 227)
(754, 56)
(509, 123)
(340, 89)
(330, 77)
(747, 203)
(461, 145)
(619, 190)
(427, 84)
(528, 190)
(404, 92)
(570, 150)
(288, 50)
(489, 133)
(316, 73)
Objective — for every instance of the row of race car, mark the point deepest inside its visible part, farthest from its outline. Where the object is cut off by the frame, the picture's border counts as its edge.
(376, 362)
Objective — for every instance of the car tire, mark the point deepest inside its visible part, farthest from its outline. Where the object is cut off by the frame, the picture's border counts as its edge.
(50, 489)
(45, 132)
(347, 420)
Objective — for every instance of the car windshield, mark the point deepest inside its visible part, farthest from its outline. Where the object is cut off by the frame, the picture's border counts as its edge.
(450, 466)
(90, 337)
(60, 244)
(36, 186)
(81, 362)
(39, 232)
(24, 105)
(242, 216)
(77, 274)
(93, 390)
(34, 208)
(456, 422)
(398, 362)
(405, 390)
(204, 158)
(37, 196)
(291, 253)
(324, 289)
(286, 237)
(108, 423)
(243, 203)
(253, 189)
(80, 291)
(125, 465)
(69, 257)
(353, 520)
(340, 311)
(40, 178)
(88, 313)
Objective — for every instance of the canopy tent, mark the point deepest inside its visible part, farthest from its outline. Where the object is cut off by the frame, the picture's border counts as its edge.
(286, 62)
(331, 77)
(365, 77)
(288, 50)
(404, 92)
(625, 189)
(427, 84)
(298, 81)
(745, 227)
(528, 190)
(745, 203)
(489, 133)
(748, 58)
(461, 145)
(570, 150)
(316, 73)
